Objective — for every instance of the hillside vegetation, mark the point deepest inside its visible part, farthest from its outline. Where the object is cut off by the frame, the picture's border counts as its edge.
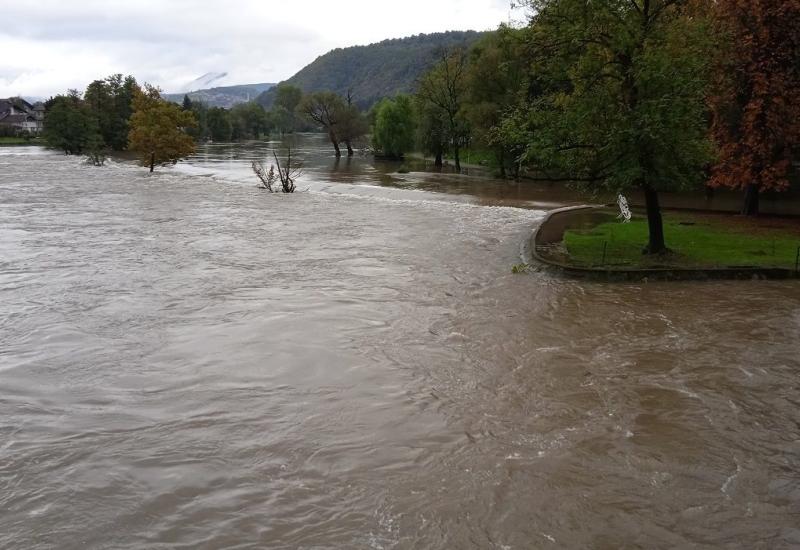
(376, 71)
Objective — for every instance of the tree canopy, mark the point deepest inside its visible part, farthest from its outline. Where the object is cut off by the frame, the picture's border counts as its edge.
(158, 129)
(618, 97)
(755, 106)
(393, 133)
(70, 125)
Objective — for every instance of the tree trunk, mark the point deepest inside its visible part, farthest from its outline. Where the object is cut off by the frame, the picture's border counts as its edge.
(349, 148)
(457, 157)
(335, 143)
(751, 200)
(655, 224)
(152, 162)
(501, 160)
(438, 162)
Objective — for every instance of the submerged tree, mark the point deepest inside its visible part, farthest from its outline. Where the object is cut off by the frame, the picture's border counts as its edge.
(432, 136)
(326, 109)
(286, 173)
(284, 109)
(219, 123)
(111, 100)
(70, 125)
(443, 88)
(158, 129)
(756, 104)
(497, 76)
(622, 103)
(393, 134)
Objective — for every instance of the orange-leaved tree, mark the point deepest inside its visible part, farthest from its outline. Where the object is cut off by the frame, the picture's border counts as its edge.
(158, 129)
(756, 103)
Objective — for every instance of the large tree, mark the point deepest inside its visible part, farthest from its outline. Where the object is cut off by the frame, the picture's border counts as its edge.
(621, 98)
(220, 128)
(756, 104)
(70, 125)
(352, 125)
(496, 76)
(327, 110)
(443, 88)
(111, 101)
(393, 134)
(158, 129)
(284, 109)
(252, 119)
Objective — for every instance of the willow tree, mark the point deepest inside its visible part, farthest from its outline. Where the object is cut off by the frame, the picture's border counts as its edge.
(327, 110)
(621, 98)
(756, 110)
(393, 134)
(158, 129)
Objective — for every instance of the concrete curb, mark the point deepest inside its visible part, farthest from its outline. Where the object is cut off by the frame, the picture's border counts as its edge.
(544, 235)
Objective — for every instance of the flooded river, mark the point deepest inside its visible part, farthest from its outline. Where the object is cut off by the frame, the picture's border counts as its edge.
(187, 361)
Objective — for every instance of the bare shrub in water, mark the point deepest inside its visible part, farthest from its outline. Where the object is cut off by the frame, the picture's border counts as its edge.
(286, 174)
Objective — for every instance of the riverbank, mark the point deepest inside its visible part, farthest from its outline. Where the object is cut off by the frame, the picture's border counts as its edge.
(592, 240)
(17, 141)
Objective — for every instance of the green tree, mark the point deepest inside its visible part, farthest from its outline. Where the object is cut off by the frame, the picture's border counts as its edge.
(111, 101)
(443, 88)
(287, 100)
(158, 129)
(327, 110)
(352, 125)
(200, 131)
(395, 126)
(187, 103)
(219, 124)
(250, 119)
(622, 104)
(496, 76)
(432, 136)
(70, 125)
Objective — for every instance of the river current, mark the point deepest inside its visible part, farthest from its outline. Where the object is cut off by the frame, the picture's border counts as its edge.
(187, 361)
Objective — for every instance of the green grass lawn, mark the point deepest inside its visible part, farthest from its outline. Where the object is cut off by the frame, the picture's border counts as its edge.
(696, 240)
(475, 156)
(19, 141)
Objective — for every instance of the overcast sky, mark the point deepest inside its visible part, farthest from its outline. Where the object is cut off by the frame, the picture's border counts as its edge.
(49, 46)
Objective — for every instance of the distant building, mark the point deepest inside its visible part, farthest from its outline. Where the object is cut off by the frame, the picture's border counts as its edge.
(21, 115)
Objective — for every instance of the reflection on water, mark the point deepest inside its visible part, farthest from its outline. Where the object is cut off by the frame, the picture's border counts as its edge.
(189, 362)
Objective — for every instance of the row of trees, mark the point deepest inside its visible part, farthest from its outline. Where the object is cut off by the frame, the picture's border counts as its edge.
(249, 120)
(117, 114)
(651, 95)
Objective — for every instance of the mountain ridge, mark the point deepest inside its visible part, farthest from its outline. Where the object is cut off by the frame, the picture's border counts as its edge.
(223, 96)
(378, 70)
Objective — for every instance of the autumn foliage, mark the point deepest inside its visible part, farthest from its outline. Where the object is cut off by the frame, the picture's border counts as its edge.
(756, 104)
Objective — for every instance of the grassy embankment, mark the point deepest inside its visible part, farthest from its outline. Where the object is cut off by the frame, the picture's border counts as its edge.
(696, 241)
(19, 141)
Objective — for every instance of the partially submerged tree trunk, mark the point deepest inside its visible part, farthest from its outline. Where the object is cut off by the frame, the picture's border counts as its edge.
(655, 223)
(350, 152)
(335, 143)
(152, 161)
(438, 162)
(751, 200)
(457, 157)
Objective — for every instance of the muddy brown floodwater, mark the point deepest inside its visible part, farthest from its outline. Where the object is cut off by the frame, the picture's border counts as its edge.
(189, 362)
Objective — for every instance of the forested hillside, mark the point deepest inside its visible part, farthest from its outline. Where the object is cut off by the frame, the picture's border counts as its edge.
(375, 71)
